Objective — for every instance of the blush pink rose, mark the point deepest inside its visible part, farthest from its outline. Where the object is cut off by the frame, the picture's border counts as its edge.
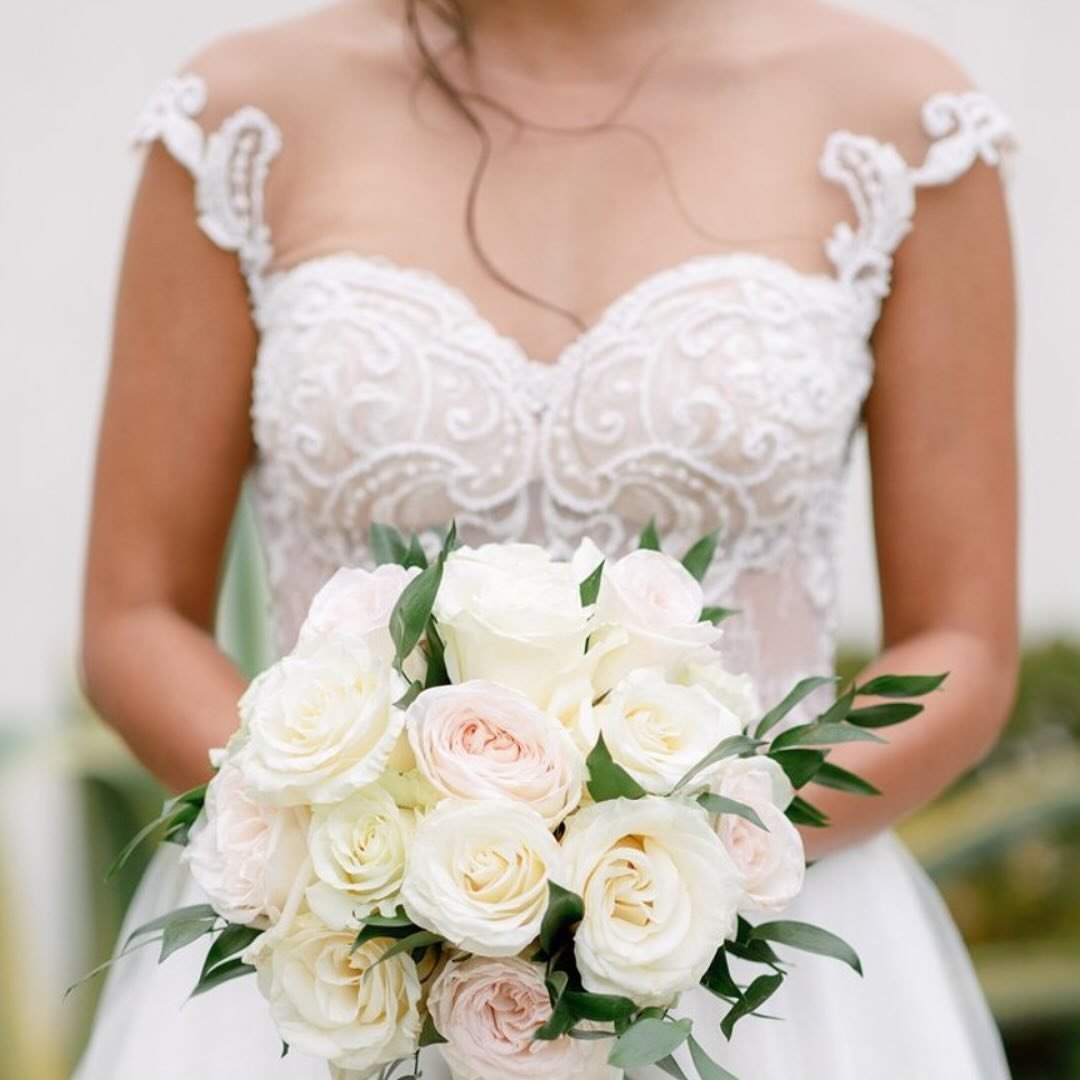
(357, 603)
(478, 740)
(489, 1011)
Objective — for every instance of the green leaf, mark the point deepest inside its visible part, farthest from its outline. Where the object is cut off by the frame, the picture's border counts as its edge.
(817, 734)
(647, 1041)
(429, 1033)
(556, 983)
(413, 609)
(601, 1007)
(698, 559)
(370, 933)
(756, 994)
(716, 615)
(178, 934)
(735, 746)
(801, 766)
(717, 979)
(671, 1067)
(420, 940)
(719, 804)
(901, 686)
(191, 913)
(808, 938)
(560, 1022)
(232, 940)
(590, 587)
(837, 712)
(800, 812)
(832, 776)
(706, 1067)
(877, 716)
(800, 691)
(399, 918)
(437, 675)
(608, 780)
(187, 806)
(650, 538)
(386, 545)
(564, 909)
(416, 555)
(415, 689)
(223, 973)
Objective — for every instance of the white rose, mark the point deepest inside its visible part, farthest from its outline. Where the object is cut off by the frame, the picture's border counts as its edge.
(245, 856)
(478, 740)
(658, 730)
(735, 692)
(319, 724)
(752, 779)
(510, 614)
(489, 1010)
(478, 875)
(357, 603)
(336, 1003)
(358, 853)
(657, 601)
(771, 862)
(660, 896)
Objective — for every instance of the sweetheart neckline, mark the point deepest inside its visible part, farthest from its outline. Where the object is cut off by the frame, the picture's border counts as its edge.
(632, 295)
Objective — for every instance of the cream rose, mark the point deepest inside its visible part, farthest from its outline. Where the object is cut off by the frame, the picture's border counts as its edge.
(336, 1003)
(660, 896)
(478, 874)
(736, 692)
(771, 862)
(357, 603)
(511, 614)
(656, 600)
(658, 730)
(358, 852)
(320, 724)
(479, 740)
(489, 1010)
(243, 855)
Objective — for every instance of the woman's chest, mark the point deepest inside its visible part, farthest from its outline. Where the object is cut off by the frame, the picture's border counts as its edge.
(720, 392)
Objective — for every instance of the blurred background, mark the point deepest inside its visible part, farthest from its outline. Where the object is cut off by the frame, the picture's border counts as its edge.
(1004, 846)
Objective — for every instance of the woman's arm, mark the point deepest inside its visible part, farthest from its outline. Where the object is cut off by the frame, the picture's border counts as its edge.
(940, 420)
(174, 444)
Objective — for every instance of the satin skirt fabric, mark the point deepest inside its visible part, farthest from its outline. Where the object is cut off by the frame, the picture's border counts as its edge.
(917, 1013)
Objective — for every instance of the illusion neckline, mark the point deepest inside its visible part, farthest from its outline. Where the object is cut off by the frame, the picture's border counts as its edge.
(656, 281)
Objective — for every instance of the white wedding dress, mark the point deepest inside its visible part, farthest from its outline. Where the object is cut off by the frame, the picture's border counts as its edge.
(723, 391)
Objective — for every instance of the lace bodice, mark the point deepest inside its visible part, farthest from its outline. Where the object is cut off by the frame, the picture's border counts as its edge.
(722, 392)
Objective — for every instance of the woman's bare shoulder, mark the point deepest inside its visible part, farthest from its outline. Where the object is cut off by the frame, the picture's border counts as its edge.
(280, 65)
(877, 76)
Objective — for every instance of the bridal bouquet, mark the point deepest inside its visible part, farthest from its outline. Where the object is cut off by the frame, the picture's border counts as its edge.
(510, 807)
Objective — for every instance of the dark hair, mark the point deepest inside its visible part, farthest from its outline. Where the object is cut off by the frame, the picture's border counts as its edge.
(451, 14)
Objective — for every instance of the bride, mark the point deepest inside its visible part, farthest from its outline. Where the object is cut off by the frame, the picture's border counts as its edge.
(552, 268)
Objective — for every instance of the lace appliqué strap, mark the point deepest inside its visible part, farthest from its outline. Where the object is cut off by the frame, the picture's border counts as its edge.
(229, 167)
(964, 127)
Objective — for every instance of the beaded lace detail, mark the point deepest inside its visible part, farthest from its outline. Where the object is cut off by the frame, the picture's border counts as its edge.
(722, 392)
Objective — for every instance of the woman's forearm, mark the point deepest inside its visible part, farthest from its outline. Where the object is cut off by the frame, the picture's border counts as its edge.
(923, 756)
(165, 686)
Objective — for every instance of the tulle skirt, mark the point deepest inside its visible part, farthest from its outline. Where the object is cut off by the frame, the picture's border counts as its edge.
(917, 1014)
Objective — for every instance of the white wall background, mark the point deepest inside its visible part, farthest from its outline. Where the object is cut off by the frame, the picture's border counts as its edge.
(72, 78)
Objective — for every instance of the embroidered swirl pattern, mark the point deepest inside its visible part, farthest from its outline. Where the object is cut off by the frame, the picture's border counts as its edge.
(722, 393)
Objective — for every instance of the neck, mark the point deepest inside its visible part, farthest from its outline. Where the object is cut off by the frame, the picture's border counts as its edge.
(556, 39)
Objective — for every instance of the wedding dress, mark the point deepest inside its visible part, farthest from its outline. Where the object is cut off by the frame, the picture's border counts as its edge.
(723, 391)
